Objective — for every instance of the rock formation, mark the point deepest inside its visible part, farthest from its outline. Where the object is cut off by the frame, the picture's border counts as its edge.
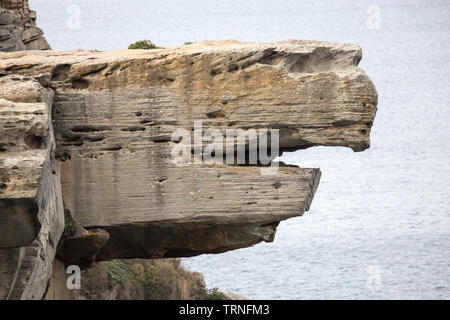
(86, 137)
(31, 209)
(18, 30)
(114, 114)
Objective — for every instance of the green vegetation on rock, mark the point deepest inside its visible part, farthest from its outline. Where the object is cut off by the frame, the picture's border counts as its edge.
(70, 227)
(211, 294)
(158, 279)
(143, 44)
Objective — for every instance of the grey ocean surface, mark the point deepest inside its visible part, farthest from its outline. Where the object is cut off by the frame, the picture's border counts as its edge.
(379, 226)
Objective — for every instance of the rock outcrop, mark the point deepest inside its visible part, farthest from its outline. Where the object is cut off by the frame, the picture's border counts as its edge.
(31, 210)
(18, 30)
(114, 114)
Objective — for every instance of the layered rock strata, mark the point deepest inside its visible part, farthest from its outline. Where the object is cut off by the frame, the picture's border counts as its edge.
(114, 115)
(18, 30)
(31, 209)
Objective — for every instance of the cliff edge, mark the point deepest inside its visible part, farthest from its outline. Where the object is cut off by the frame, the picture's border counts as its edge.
(88, 138)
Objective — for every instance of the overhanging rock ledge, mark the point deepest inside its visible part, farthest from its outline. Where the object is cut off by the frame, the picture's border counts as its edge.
(113, 116)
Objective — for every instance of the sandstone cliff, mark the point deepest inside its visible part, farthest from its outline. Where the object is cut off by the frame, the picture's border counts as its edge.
(18, 30)
(113, 114)
(31, 208)
(86, 142)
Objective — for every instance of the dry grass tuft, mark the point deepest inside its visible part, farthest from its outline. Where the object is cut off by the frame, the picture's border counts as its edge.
(162, 279)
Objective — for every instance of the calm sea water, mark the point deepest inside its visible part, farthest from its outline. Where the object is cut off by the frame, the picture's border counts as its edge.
(379, 226)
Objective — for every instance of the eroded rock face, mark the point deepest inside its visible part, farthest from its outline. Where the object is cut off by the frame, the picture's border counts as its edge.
(18, 30)
(31, 210)
(114, 114)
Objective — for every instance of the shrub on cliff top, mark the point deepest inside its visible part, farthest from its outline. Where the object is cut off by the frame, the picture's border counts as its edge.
(143, 44)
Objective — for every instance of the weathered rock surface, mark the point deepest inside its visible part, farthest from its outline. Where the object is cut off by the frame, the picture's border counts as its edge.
(312, 91)
(18, 29)
(31, 210)
(114, 114)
